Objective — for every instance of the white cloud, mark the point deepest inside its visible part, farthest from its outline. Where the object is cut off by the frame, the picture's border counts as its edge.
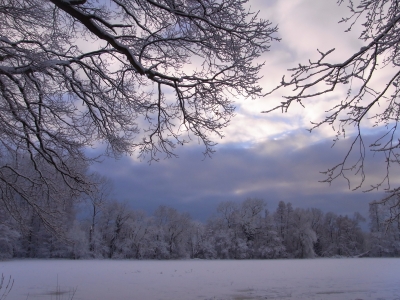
(304, 26)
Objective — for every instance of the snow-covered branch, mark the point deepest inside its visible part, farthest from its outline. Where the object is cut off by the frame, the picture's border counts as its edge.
(138, 76)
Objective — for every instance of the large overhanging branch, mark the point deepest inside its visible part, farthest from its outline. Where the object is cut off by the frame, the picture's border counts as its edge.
(141, 75)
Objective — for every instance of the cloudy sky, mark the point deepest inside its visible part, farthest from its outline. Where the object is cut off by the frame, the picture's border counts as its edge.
(269, 156)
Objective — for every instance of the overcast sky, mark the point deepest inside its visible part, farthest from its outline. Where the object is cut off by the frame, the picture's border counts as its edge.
(268, 156)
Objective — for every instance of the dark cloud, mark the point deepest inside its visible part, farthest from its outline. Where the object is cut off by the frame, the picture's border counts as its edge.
(285, 169)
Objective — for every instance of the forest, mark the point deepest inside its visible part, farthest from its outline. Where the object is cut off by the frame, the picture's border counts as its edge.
(98, 227)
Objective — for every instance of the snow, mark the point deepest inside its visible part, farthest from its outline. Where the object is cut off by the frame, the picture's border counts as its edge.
(347, 278)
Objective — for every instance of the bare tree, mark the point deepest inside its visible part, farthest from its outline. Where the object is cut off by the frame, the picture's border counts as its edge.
(98, 199)
(142, 75)
(31, 188)
(365, 99)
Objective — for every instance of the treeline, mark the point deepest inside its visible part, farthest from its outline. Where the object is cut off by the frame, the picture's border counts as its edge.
(247, 230)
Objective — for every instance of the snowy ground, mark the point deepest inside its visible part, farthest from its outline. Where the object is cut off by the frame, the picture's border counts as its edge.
(204, 280)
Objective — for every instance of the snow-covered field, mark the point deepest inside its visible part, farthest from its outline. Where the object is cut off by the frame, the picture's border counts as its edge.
(347, 278)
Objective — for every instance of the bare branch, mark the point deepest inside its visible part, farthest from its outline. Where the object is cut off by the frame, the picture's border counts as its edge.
(363, 100)
(142, 75)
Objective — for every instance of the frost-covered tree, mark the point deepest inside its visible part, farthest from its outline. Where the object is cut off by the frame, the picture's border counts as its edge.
(139, 236)
(252, 225)
(251, 218)
(341, 235)
(371, 80)
(303, 237)
(316, 222)
(384, 238)
(281, 219)
(172, 232)
(328, 236)
(295, 228)
(284, 222)
(270, 244)
(202, 241)
(112, 230)
(235, 228)
(143, 75)
(221, 237)
(350, 238)
(97, 198)
(244, 230)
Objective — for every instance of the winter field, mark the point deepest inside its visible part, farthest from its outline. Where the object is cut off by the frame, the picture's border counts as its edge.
(347, 278)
